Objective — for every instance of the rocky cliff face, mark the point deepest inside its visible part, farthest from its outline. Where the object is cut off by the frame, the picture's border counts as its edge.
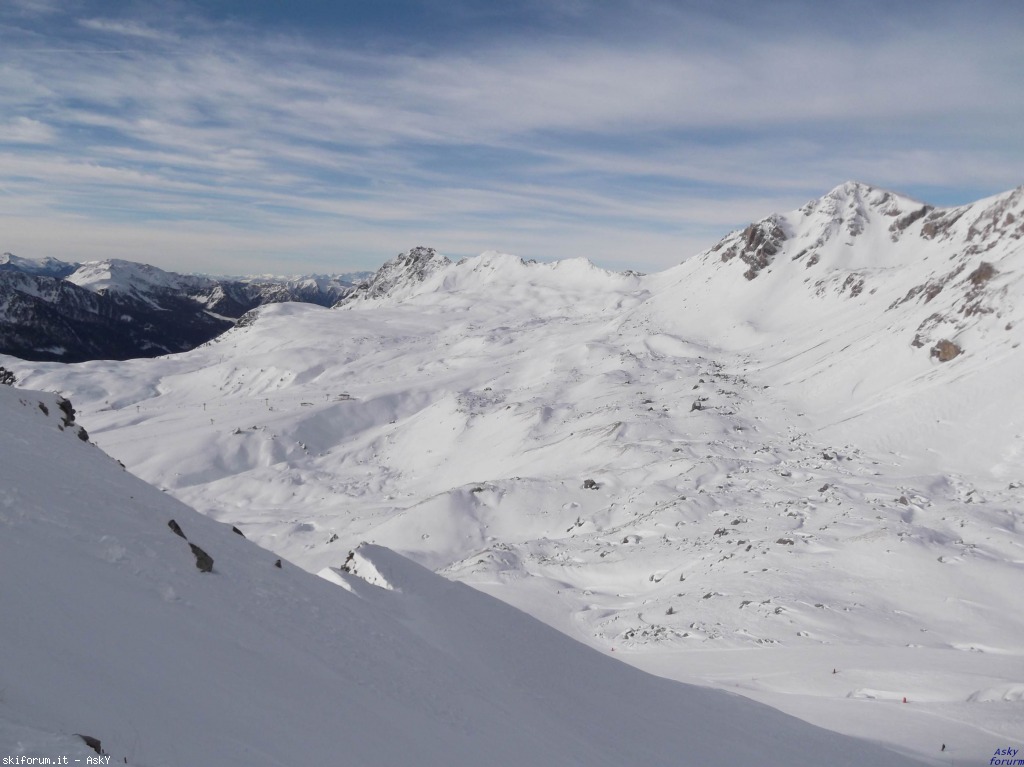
(404, 270)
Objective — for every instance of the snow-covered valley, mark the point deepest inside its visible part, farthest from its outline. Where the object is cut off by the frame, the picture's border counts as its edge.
(115, 631)
(791, 467)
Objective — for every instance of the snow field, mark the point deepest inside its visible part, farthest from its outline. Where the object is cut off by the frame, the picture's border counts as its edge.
(779, 478)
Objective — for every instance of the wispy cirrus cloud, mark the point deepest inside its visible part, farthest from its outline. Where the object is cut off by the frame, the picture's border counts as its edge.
(551, 142)
(33, 7)
(25, 130)
(129, 28)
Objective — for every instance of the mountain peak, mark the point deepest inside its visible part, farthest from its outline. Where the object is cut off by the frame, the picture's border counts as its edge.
(851, 187)
(406, 269)
(46, 267)
(119, 276)
(847, 209)
(856, 196)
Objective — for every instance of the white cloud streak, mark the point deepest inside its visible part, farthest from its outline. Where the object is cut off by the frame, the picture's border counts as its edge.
(133, 29)
(25, 130)
(556, 147)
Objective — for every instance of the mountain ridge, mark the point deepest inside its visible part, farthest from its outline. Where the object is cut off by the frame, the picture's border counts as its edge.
(118, 309)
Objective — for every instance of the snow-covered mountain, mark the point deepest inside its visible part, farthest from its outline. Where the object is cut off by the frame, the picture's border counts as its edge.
(116, 309)
(400, 275)
(135, 627)
(797, 452)
(47, 267)
(862, 311)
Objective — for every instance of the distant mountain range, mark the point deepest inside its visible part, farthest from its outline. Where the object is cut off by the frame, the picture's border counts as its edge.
(115, 309)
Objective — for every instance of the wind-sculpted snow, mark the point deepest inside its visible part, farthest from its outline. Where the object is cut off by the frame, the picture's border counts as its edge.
(749, 482)
(112, 632)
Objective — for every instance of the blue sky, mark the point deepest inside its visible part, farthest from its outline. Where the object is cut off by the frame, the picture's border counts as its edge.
(240, 137)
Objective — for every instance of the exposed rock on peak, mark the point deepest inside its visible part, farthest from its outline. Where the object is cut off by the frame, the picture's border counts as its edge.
(850, 207)
(406, 269)
(755, 246)
(941, 271)
(847, 211)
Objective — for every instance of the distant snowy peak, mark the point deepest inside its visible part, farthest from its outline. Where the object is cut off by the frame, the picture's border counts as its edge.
(230, 296)
(117, 309)
(400, 274)
(47, 267)
(334, 286)
(129, 277)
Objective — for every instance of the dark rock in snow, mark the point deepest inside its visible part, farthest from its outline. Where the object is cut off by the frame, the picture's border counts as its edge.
(756, 246)
(91, 742)
(946, 350)
(66, 408)
(203, 560)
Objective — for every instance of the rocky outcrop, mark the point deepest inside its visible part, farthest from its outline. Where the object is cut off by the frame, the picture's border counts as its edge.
(404, 270)
(945, 350)
(204, 562)
(91, 742)
(755, 246)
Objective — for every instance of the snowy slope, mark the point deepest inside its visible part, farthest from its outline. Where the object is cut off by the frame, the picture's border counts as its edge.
(113, 632)
(863, 297)
(748, 470)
